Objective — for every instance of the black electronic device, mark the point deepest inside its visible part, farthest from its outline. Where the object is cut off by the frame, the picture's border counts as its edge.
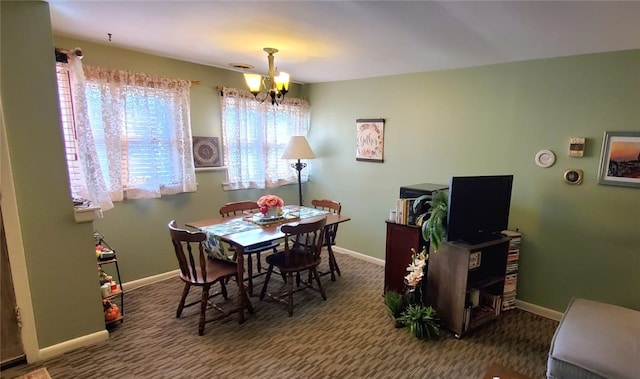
(416, 190)
(478, 207)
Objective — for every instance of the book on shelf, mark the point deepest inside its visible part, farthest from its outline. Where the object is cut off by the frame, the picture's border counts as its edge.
(404, 211)
(515, 237)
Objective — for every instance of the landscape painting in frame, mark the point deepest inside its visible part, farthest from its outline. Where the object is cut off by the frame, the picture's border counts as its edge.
(620, 159)
(370, 139)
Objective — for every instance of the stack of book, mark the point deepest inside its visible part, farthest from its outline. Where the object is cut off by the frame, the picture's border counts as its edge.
(404, 212)
(511, 275)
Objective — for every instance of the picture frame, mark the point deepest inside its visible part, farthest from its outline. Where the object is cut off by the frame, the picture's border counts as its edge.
(206, 152)
(620, 159)
(370, 140)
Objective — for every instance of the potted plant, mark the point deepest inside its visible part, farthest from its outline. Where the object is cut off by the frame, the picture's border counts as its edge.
(395, 305)
(421, 320)
(434, 228)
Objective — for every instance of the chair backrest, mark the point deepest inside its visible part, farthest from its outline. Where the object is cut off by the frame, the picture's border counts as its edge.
(304, 237)
(238, 207)
(333, 207)
(189, 249)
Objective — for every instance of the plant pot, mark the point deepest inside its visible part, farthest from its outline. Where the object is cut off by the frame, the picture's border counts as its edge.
(397, 323)
(271, 213)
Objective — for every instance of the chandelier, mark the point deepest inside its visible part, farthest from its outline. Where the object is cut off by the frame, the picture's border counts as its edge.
(278, 81)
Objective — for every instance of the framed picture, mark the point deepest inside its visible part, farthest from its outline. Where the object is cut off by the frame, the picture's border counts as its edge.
(370, 140)
(620, 159)
(206, 152)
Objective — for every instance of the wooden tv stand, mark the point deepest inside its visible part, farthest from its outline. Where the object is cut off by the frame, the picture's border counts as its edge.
(451, 282)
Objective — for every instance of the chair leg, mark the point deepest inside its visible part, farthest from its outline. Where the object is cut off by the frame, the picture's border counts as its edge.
(185, 292)
(258, 262)
(250, 274)
(203, 308)
(290, 293)
(266, 282)
(248, 305)
(317, 276)
(223, 289)
(333, 264)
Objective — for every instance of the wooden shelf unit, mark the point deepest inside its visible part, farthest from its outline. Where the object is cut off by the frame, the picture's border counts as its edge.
(400, 239)
(450, 282)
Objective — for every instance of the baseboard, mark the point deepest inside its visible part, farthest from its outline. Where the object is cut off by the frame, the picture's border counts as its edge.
(66, 346)
(341, 250)
(538, 310)
(528, 307)
(139, 283)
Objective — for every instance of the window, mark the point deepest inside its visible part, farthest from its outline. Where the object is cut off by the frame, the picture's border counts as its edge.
(139, 128)
(69, 130)
(254, 137)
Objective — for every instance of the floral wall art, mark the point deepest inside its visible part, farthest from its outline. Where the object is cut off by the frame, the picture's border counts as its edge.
(370, 140)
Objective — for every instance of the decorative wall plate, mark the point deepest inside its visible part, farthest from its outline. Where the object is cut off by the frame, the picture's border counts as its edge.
(206, 152)
(545, 158)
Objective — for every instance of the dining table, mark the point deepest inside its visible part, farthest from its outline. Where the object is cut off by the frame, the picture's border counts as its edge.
(248, 229)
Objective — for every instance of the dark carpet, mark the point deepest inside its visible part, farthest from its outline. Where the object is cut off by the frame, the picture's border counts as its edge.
(349, 335)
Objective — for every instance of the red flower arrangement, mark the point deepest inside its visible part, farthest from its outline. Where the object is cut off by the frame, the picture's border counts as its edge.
(267, 202)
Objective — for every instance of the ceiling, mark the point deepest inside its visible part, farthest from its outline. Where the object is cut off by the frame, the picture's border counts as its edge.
(322, 41)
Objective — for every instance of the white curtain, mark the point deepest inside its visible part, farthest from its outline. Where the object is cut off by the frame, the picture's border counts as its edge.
(143, 132)
(91, 184)
(254, 136)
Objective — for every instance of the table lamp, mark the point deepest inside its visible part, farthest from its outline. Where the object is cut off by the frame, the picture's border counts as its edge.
(298, 148)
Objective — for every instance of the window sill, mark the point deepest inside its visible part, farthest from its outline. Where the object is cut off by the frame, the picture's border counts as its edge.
(85, 214)
(221, 168)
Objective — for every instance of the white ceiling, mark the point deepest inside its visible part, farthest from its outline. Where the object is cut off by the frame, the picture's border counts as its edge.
(323, 41)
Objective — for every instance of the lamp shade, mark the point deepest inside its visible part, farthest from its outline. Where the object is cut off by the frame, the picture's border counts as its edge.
(298, 148)
(253, 81)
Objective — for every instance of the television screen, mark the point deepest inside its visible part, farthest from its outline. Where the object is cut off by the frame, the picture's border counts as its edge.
(478, 207)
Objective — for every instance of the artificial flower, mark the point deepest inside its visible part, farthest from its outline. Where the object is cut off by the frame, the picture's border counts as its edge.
(270, 201)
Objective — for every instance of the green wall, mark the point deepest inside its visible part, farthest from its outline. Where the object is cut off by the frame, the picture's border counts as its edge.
(579, 241)
(58, 252)
(137, 229)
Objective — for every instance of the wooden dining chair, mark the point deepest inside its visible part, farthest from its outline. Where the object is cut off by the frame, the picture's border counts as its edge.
(197, 269)
(238, 208)
(302, 246)
(330, 235)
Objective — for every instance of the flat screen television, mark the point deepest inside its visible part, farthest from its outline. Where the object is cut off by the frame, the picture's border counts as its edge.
(478, 207)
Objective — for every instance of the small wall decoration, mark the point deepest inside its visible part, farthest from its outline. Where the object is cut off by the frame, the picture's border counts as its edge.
(620, 159)
(545, 158)
(370, 139)
(206, 152)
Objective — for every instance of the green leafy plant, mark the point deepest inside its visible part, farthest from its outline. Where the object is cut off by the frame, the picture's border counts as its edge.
(422, 321)
(395, 303)
(433, 222)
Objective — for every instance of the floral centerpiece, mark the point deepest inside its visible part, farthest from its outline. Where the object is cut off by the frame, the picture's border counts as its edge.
(270, 205)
